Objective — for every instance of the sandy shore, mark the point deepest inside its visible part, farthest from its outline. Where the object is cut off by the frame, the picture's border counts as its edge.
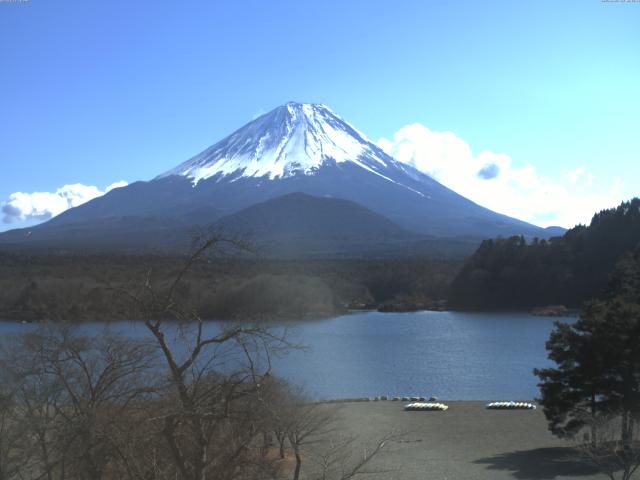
(465, 442)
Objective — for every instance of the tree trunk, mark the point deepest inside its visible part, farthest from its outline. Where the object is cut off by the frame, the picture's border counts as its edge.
(45, 455)
(296, 473)
(627, 444)
(169, 434)
(626, 441)
(201, 468)
(265, 444)
(281, 439)
(594, 427)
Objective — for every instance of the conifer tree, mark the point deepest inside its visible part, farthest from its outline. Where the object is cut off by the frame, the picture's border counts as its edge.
(596, 380)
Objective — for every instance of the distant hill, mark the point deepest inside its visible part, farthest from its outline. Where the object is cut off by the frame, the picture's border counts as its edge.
(298, 215)
(514, 273)
(298, 225)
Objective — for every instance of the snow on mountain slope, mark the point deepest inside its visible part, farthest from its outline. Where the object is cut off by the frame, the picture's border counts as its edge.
(296, 138)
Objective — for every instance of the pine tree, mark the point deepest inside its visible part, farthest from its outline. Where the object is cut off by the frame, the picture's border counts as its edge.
(597, 376)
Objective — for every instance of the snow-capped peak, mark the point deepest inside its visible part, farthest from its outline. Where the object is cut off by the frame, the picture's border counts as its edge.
(296, 138)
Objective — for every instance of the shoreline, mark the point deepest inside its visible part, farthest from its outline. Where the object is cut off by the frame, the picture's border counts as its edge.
(402, 399)
(571, 313)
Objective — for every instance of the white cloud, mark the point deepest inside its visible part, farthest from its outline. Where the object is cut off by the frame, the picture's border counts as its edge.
(576, 175)
(491, 179)
(44, 205)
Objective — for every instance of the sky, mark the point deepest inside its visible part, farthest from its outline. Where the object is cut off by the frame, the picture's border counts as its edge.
(528, 108)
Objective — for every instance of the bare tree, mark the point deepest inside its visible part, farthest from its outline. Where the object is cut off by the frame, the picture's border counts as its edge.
(308, 424)
(74, 395)
(311, 430)
(196, 401)
(36, 401)
(312, 433)
(276, 400)
(215, 372)
(342, 458)
(613, 455)
(13, 458)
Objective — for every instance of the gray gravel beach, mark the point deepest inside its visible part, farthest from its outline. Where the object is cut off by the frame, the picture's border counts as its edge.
(465, 442)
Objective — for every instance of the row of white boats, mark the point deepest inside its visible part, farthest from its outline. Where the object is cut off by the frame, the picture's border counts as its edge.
(425, 406)
(511, 406)
(437, 406)
(433, 403)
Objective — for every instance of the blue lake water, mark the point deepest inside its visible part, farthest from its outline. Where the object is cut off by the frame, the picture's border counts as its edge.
(451, 355)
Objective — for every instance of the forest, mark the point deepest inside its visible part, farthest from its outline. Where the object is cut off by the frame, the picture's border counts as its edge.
(513, 273)
(83, 287)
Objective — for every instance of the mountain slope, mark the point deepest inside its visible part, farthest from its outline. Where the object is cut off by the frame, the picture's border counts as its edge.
(298, 215)
(132, 234)
(294, 225)
(294, 148)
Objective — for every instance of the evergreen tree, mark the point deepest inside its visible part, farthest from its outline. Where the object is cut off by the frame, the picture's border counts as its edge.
(572, 393)
(597, 373)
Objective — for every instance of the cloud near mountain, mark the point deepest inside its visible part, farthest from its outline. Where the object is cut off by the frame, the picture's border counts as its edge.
(44, 205)
(491, 179)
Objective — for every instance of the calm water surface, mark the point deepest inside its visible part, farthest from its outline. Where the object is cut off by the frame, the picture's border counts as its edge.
(452, 355)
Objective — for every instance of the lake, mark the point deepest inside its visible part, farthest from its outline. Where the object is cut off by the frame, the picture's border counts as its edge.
(450, 355)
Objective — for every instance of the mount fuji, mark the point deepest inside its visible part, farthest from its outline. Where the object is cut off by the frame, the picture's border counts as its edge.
(298, 148)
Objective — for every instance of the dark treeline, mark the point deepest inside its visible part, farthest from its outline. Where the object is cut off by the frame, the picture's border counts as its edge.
(81, 287)
(567, 270)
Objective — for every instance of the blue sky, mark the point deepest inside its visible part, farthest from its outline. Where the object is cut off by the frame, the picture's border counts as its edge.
(97, 92)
